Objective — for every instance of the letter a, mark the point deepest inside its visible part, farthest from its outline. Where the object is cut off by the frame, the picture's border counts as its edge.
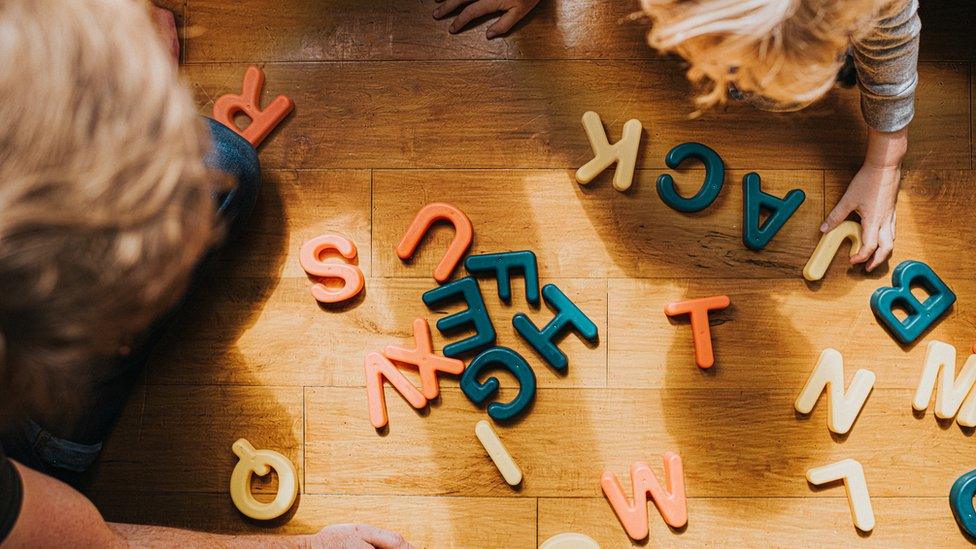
(754, 201)
(829, 375)
(377, 369)
(941, 357)
(671, 503)
(623, 152)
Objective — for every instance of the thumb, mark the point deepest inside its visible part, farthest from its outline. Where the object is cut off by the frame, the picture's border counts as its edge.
(836, 216)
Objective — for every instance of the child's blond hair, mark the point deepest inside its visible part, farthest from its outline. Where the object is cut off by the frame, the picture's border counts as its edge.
(105, 202)
(787, 51)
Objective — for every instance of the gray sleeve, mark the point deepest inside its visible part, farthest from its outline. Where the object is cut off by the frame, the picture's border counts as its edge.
(887, 68)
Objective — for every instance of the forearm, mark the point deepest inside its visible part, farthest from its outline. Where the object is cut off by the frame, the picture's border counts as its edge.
(886, 149)
(136, 535)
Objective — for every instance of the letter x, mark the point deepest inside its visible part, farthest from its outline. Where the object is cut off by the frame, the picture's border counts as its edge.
(423, 357)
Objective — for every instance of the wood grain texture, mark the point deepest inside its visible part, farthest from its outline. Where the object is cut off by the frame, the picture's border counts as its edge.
(393, 113)
(745, 442)
(291, 340)
(185, 436)
(610, 234)
(773, 333)
(425, 521)
(347, 30)
(500, 114)
(295, 206)
(774, 522)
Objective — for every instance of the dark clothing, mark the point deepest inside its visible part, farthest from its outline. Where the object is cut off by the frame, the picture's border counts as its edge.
(70, 446)
(11, 494)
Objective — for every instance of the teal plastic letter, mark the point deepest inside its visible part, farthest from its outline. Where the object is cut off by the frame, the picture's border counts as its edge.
(479, 392)
(961, 501)
(568, 316)
(476, 316)
(502, 266)
(714, 178)
(921, 315)
(754, 201)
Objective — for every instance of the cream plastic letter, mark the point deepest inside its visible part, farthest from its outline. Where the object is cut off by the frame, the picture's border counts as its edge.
(843, 408)
(261, 462)
(827, 248)
(498, 453)
(951, 396)
(851, 472)
(623, 152)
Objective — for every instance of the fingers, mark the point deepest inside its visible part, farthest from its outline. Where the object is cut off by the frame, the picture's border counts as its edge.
(505, 22)
(448, 6)
(380, 538)
(886, 243)
(869, 241)
(837, 216)
(165, 22)
(478, 9)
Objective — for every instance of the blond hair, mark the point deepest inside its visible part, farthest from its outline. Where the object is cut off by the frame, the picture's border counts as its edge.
(105, 203)
(787, 51)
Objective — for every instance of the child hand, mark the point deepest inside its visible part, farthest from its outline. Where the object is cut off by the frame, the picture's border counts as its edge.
(514, 10)
(872, 194)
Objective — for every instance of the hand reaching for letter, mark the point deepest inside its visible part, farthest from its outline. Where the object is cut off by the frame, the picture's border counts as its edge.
(872, 194)
(514, 10)
(357, 536)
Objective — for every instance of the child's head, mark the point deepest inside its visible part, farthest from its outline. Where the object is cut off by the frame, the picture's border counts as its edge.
(105, 202)
(786, 51)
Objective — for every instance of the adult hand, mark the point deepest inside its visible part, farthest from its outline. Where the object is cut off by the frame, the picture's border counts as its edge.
(872, 194)
(360, 536)
(514, 11)
(166, 27)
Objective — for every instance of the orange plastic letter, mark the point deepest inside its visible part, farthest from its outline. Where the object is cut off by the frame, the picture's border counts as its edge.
(423, 357)
(427, 216)
(310, 258)
(377, 368)
(700, 334)
(249, 103)
(671, 503)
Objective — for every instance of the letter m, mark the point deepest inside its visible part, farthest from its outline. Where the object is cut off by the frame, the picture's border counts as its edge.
(951, 399)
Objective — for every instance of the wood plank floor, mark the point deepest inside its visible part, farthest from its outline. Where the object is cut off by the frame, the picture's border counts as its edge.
(392, 113)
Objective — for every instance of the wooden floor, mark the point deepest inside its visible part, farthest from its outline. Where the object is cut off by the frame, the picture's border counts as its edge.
(392, 113)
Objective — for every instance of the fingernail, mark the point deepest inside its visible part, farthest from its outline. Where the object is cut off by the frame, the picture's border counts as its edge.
(491, 34)
(823, 228)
